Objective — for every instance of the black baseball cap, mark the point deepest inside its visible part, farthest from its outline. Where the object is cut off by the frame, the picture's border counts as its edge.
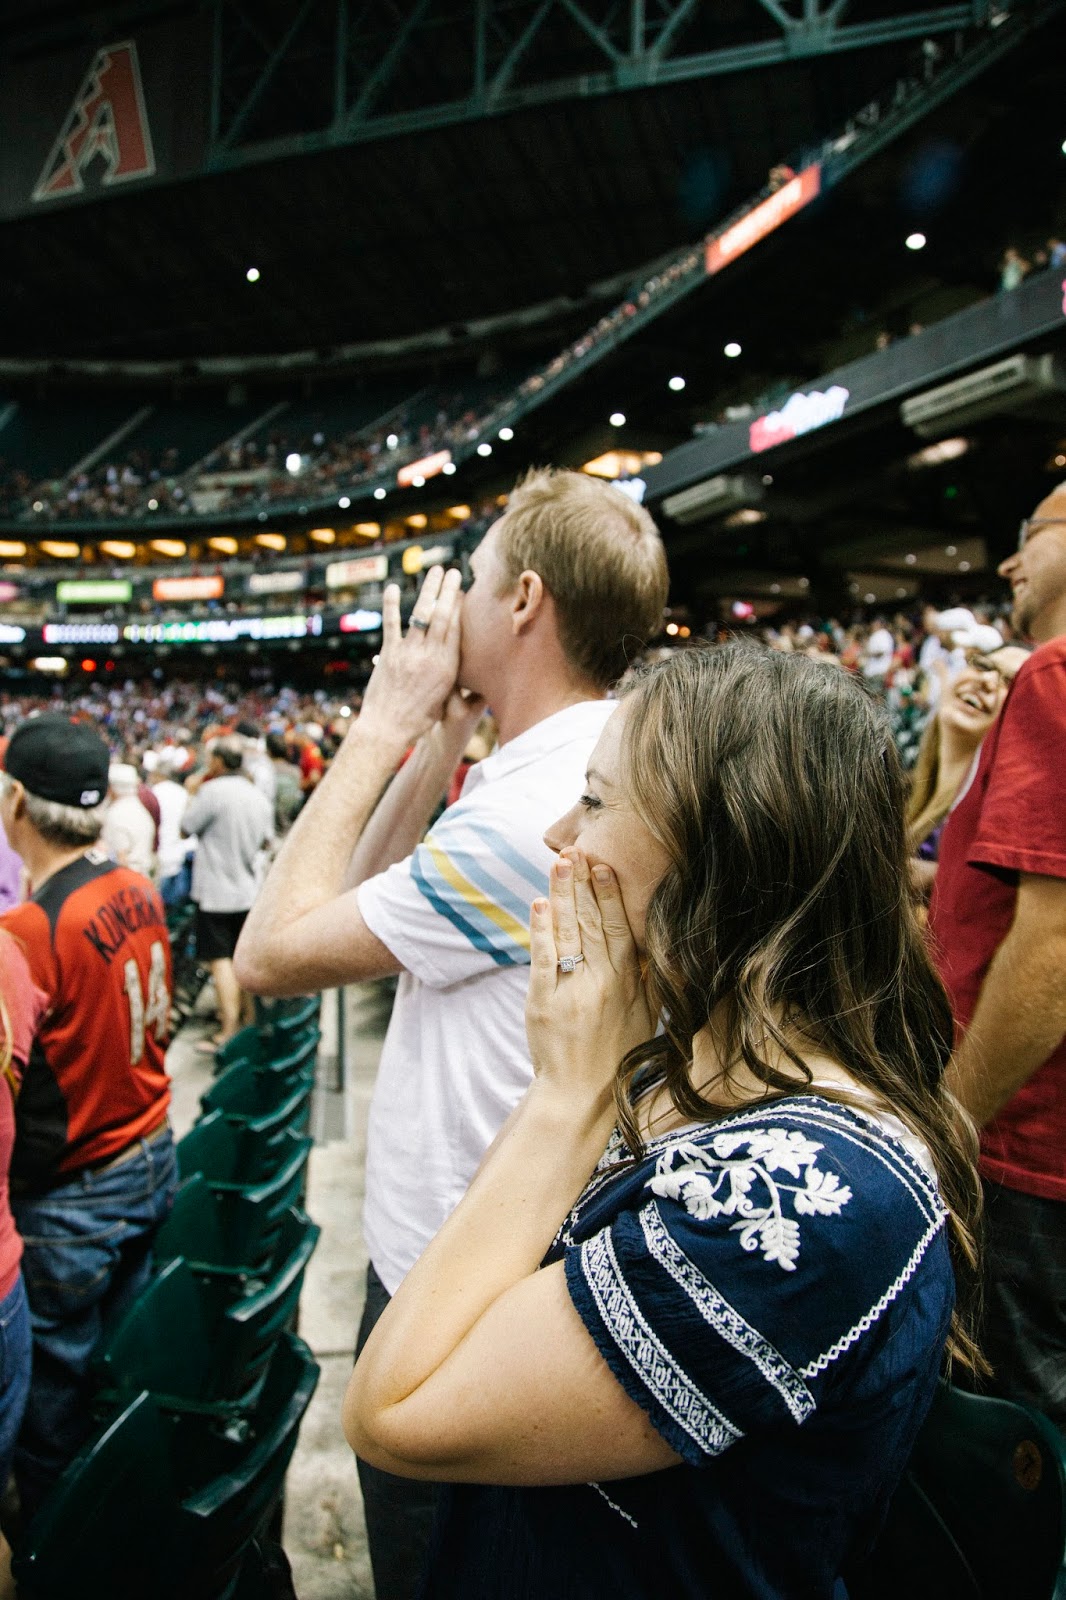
(60, 760)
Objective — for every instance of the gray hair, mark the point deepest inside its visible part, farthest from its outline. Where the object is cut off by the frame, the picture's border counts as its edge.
(65, 826)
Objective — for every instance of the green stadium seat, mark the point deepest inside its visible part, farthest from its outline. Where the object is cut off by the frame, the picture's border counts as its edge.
(262, 1101)
(232, 1155)
(266, 1049)
(229, 1230)
(166, 1506)
(981, 1511)
(288, 1016)
(194, 1344)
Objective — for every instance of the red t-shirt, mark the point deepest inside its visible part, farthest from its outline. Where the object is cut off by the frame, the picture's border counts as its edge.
(96, 941)
(1012, 819)
(25, 1005)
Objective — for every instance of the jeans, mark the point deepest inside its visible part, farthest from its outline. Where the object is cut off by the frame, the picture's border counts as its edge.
(87, 1255)
(176, 889)
(15, 1357)
(1024, 1313)
(401, 1513)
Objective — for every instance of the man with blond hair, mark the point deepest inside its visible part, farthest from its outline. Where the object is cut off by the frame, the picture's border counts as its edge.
(567, 585)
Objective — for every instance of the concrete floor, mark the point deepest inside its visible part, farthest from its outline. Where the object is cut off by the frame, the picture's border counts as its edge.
(324, 1533)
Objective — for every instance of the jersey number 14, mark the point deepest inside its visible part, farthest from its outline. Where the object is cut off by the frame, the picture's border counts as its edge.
(153, 1013)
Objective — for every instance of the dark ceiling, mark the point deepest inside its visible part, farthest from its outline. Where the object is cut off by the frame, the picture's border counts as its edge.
(389, 239)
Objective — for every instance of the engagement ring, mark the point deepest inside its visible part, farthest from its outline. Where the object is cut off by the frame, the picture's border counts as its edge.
(568, 963)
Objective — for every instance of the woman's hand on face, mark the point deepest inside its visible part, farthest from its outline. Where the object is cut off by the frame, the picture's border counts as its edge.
(415, 675)
(582, 1022)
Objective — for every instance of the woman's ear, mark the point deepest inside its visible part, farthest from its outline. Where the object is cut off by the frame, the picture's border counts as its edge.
(529, 596)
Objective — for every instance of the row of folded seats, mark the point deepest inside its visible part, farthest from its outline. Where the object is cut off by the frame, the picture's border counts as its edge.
(203, 1383)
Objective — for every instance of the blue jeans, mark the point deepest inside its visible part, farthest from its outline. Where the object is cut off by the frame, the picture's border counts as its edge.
(87, 1255)
(176, 889)
(15, 1356)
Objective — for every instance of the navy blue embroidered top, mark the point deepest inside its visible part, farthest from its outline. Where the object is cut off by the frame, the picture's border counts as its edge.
(774, 1289)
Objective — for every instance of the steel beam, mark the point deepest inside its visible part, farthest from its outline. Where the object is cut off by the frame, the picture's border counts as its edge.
(638, 51)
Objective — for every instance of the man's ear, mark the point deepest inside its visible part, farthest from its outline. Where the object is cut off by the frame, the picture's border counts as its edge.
(529, 596)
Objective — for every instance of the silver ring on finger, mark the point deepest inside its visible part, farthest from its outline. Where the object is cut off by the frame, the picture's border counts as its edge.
(569, 963)
(420, 623)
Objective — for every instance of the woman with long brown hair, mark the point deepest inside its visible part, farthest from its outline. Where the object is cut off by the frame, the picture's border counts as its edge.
(680, 1334)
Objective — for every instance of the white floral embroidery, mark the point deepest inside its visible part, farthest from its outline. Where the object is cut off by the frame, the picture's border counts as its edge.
(743, 1175)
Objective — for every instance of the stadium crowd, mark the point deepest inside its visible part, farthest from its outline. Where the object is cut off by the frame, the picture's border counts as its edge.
(689, 1074)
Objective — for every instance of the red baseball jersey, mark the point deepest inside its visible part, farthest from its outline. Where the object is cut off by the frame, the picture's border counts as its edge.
(95, 938)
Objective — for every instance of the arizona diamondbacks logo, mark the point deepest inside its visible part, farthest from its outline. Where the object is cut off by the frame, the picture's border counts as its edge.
(107, 120)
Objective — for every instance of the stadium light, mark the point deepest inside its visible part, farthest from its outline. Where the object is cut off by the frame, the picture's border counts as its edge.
(120, 548)
(223, 542)
(676, 384)
(915, 241)
(293, 462)
(169, 547)
(271, 541)
(732, 350)
(323, 535)
(617, 419)
(344, 502)
(153, 505)
(1063, 147)
(392, 441)
(484, 448)
(379, 494)
(252, 274)
(506, 434)
(448, 468)
(418, 482)
(12, 548)
(61, 549)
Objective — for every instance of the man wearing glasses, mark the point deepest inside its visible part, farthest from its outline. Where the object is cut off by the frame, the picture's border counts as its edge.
(998, 918)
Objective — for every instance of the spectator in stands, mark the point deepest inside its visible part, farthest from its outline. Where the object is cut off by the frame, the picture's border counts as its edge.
(10, 875)
(566, 583)
(129, 831)
(312, 764)
(232, 822)
(93, 1171)
(951, 740)
(878, 651)
(257, 764)
(1013, 268)
(998, 916)
(288, 795)
(175, 868)
(22, 1006)
(711, 1265)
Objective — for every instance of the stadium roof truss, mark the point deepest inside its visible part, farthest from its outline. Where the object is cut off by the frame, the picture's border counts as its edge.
(291, 77)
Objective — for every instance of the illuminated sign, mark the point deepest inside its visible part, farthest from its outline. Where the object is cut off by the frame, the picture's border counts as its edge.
(428, 467)
(275, 582)
(801, 413)
(77, 592)
(9, 591)
(222, 630)
(360, 622)
(10, 634)
(188, 588)
(80, 632)
(364, 569)
(770, 214)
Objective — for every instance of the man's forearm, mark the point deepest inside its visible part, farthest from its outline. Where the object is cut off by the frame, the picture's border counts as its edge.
(309, 870)
(402, 814)
(1019, 1020)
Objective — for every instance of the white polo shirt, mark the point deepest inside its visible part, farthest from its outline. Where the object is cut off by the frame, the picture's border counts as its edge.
(456, 914)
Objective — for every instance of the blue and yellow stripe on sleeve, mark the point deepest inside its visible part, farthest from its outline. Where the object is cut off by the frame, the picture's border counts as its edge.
(484, 893)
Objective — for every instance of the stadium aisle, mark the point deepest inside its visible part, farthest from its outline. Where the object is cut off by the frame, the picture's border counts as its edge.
(324, 1534)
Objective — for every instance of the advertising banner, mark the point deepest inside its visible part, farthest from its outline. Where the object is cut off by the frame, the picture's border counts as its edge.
(188, 588)
(768, 215)
(100, 591)
(363, 569)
